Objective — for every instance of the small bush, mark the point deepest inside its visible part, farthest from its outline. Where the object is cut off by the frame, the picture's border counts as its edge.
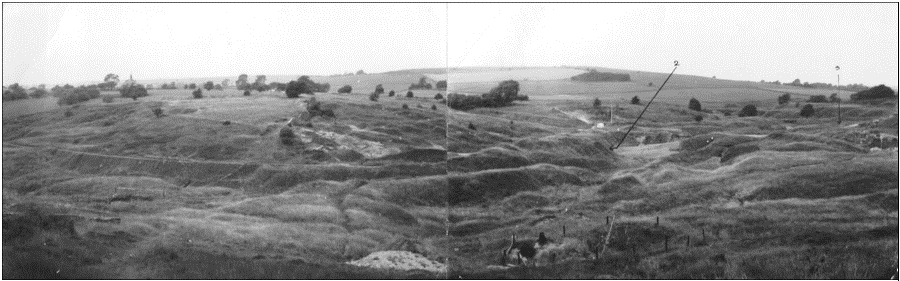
(748, 111)
(834, 98)
(39, 93)
(287, 136)
(877, 92)
(650, 84)
(379, 89)
(784, 99)
(807, 111)
(635, 100)
(405, 106)
(391, 93)
(158, 112)
(346, 89)
(198, 94)
(441, 84)
(471, 126)
(108, 99)
(698, 118)
(818, 98)
(247, 93)
(409, 94)
(226, 123)
(373, 96)
(438, 96)
(597, 103)
(694, 105)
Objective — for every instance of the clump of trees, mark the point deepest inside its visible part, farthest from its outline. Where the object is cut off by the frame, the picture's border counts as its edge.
(304, 85)
(14, 92)
(595, 76)
(635, 100)
(346, 89)
(438, 96)
(360, 72)
(834, 98)
(209, 85)
(818, 98)
(133, 91)
(39, 92)
(748, 111)
(79, 94)
(423, 84)
(198, 94)
(784, 99)
(807, 111)
(501, 95)
(109, 82)
(694, 105)
(877, 92)
(314, 108)
(168, 86)
(442, 85)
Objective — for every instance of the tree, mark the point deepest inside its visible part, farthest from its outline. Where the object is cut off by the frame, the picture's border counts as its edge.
(241, 82)
(405, 106)
(694, 104)
(423, 84)
(110, 81)
(247, 93)
(38, 93)
(296, 88)
(714, 77)
(635, 100)
(360, 72)
(260, 84)
(346, 89)
(748, 110)
(441, 84)
(409, 94)
(834, 98)
(219, 87)
(597, 103)
(438, 96)
(133, 91)
(379, 89)
(796, 82)
(192, 86)
(807, 111)
(391, 93)
(877, 92)
(373, 96)
(198, 94)
(209, 85)
(784, 99)
(433, 107)
(225, 83)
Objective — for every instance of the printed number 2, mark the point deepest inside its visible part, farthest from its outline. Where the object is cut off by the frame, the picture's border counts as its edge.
(676, 63)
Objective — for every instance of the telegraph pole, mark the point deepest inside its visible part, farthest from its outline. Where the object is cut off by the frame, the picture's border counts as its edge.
(838, 70)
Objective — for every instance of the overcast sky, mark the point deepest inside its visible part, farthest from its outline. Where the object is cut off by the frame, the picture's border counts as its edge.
(53, 43)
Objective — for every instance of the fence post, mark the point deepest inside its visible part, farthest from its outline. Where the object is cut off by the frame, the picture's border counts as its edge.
(666, 247)
(687, 243)
(703, 230)
(607, 220)
(657, 221)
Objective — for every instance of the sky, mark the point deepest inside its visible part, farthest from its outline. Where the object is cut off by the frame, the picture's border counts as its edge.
(55, 43)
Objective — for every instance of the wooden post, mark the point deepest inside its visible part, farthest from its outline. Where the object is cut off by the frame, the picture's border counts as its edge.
(657, 221)
(634, 250)
(564, 231)
(687, 243)
(607, 220)
(666, 247)
(703, 230)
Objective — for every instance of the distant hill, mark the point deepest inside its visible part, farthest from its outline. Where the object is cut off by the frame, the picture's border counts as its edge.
(595, 76)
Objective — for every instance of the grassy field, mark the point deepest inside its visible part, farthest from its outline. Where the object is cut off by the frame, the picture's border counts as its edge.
(209, 189)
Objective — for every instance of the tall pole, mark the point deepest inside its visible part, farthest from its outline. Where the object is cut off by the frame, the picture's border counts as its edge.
(838, 69)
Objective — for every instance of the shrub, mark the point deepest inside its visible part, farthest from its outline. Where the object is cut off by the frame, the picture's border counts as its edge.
(650, 84)
(198, 94)
(818, 98)
(441, 84)
(373, 96)
(391, 93)
(294, 89)
(409, 94)
(423, 84)
(597, 103)
(287, 136)
(877, 92)
(807, 111)
(471, 126)
(226, 123)
(784, 99)
(635, 100)
(694, 105)
(834, 98)
(379, 89)
(501, 95)
(80, 94)
(698, 118)
(438, 96)
(209, 85)
(108, 99)
(405, 106)
(158, 112)
(246, 93)
(748, 110)
(433, 107)
(346, 89)
(219, 88)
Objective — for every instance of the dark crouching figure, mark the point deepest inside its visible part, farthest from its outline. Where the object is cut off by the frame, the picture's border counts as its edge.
(526, 249)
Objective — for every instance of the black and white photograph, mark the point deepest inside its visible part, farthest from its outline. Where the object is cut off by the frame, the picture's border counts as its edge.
(450, 141)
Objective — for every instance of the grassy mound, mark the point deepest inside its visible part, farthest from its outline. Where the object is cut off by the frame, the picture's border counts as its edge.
(368, 209)
(108, 186)
(524, 201)
(419, 155)
(487, 186)
(419, 191)
(298, 207)
(269, 179)
(486, 159)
